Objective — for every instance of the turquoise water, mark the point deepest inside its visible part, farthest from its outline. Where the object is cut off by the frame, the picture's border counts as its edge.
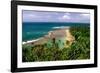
(35, 30)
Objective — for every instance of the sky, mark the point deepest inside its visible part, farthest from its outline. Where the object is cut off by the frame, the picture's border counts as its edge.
(44, 16)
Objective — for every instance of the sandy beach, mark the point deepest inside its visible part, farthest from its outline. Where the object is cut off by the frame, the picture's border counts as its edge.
(58, 33)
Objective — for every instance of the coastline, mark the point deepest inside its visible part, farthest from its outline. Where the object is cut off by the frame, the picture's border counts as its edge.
(64, 30)
(59, 44)
(31, 41)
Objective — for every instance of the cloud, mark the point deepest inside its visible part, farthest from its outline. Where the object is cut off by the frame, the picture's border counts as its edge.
(31, 15)
(40, 16)
(65, 16)
(87, 16)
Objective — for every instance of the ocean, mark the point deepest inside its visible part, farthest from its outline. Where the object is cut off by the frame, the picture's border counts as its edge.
(35, 30)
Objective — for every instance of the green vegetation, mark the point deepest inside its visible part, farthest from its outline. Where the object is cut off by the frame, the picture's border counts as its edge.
(51, 51)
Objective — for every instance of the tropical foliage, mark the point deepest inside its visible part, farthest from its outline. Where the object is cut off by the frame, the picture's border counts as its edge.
(51, 51)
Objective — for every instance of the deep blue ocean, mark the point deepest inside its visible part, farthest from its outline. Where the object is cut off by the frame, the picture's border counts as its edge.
(35, 30)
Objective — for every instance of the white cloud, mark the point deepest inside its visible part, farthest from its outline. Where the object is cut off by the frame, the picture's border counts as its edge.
(85, 15)
(66, 16)
(31, 15)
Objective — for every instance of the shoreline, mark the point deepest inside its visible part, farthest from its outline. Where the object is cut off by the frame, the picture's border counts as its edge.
(46, 36)
(31, 41)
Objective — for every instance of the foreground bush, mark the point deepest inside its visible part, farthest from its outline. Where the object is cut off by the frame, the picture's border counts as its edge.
(80, 49)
